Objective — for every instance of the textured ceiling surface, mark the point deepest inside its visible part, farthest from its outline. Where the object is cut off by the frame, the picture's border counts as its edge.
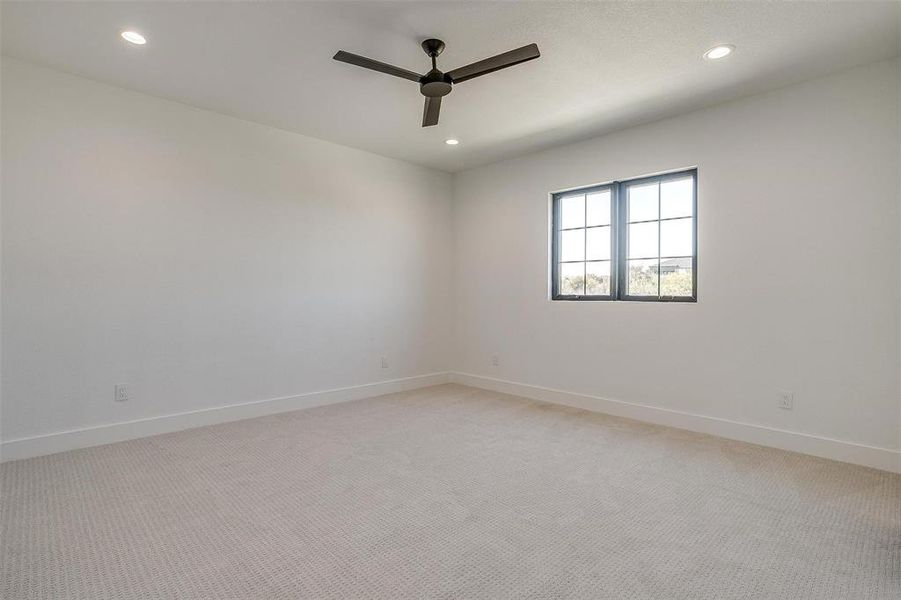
(604, 66)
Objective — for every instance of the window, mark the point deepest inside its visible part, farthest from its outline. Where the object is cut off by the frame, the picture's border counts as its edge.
(627, 240)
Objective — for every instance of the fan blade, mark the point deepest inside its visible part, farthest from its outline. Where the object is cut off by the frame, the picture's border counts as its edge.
(489, 65)
(368, 63)
(430, 111)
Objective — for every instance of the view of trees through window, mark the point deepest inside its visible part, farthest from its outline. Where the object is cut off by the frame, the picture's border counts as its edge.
(675, 278)
(625, 240)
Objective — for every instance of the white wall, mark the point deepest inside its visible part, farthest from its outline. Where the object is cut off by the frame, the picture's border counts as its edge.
(798, 274)
(200, 259)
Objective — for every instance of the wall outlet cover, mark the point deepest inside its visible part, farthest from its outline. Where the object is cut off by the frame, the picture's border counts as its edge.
(786, 400)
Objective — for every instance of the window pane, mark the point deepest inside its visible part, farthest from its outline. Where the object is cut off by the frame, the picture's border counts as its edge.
(597, 279)
(643, 240)
(643, 205)
(599, 208)
(675, 277)
(572, 211)
(598, 243)
(676, 198)
(572, 279)
(642, 278)
(676, 238)
(572, 245)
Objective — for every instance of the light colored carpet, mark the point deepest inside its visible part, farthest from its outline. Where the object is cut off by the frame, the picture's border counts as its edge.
(446, 492)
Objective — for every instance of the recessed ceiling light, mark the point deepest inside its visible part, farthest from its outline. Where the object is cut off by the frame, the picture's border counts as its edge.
(134, 37)
(452, 142)
(721, 51)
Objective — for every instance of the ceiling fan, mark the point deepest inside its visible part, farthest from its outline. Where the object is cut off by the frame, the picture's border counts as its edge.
(435, 84)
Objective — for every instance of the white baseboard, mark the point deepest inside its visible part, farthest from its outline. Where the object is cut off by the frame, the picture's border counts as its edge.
(885, 459)
(879, 458)
(62, 441)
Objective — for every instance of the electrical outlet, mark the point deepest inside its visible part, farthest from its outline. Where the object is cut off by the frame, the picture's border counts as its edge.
(121, 393)
(786, 401)
(495, 360)
(384, 362)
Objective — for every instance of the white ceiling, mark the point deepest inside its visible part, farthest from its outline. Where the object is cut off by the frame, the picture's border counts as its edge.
(603, 65)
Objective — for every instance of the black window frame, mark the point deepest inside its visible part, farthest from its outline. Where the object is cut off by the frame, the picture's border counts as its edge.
(619, 223)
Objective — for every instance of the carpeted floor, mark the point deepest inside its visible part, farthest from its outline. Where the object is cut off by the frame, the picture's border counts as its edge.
(446, 492)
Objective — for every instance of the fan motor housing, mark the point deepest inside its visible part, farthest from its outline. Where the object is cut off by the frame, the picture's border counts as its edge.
(435, 84)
